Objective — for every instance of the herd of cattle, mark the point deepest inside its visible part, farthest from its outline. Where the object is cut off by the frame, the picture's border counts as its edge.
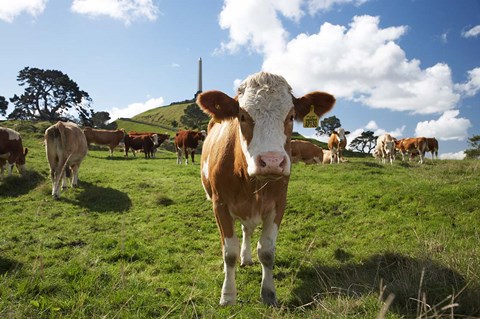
(245, 162)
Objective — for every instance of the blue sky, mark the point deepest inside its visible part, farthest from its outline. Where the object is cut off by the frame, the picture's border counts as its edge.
(406, 67)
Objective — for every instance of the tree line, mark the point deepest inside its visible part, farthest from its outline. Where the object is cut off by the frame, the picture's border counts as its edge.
(51, 95)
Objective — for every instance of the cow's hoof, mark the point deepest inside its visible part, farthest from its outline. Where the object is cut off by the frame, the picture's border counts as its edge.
(246, 263)
(228, 300)
(269, 298)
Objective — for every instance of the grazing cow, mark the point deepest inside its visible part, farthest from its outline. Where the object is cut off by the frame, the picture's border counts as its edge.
(336, 144)
(158, 138)
(11, 151)
(104, 137)
(245, 167)
(138, 142)
(432, 147)
(412, 145)
(306, 152)
(187, 141)
(66, 147)
(385, 148)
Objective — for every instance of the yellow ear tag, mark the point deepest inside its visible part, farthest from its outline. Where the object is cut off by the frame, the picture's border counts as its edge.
(311, 119)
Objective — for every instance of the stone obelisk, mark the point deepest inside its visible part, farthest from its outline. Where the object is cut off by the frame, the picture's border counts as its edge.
(199, 90)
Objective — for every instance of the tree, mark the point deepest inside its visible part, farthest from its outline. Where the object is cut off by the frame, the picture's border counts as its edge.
(366, 140)
(194, 117)
(328, 125)
(50, 95)
(100, 119)
(3, 106)
(473, 152)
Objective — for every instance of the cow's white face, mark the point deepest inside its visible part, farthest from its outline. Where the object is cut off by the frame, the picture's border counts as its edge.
(341, 134)
(266, 117)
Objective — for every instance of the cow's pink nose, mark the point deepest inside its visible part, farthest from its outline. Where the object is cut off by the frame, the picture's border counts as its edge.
(272, 162)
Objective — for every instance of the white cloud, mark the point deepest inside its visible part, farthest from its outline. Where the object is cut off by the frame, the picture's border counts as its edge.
(472, 86)
(448, 127)
(324, 5)
(471, 33)
(10, 9)
(456, 156)
(135, 108)
(360, 62)
(124, 10)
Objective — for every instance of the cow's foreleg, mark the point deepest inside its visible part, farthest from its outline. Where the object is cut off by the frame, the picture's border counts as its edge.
(266, 255)
(246, 251)
(231, 250)
(185, 151)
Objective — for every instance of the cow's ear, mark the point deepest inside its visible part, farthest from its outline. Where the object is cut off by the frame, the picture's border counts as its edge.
(321, 101)
(347, 132)
(218, 105)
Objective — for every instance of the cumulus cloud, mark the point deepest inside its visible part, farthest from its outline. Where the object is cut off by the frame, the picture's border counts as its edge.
(448, 127)
(124, 10)
(325, 5)
(472, 86)
(9, 9)
(135, 108)
(472, 33)
(456, 156)
(361, 62)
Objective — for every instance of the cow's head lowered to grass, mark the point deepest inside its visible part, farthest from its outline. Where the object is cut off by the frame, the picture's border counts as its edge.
(265, 110)
(245, 168)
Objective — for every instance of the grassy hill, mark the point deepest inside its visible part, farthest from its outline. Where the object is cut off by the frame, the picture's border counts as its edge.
(138, 239)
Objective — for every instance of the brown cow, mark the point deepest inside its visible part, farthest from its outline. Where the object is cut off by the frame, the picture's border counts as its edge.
(104, 137)
(245, 167)
(187, 141)
(11, 151)
(432, 147)
(306, 152)
(138, 142)
(336, 144)
(412, 145)
(66, 147)
(158, 139)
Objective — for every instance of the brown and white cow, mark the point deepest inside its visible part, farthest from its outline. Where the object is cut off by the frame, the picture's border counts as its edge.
(245, 167)
(432, 147)
(104, 137)
(385, 148)
(327, 154)
(336, 144)
(187, 141)
(412, 145)
(306, 152)
(11, 151)
(66, 147)
(137, 142)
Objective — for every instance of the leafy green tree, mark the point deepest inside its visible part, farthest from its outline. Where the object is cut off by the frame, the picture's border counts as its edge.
(474, 151)
(328, 125)
(364, 143)
(193, 117)
(50, 95)
(3, 106)
(100, 119)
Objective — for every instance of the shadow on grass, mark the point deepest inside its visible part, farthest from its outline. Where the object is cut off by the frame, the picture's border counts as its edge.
(16, 185)
(7, 265)
(101, 199)
(398, 274)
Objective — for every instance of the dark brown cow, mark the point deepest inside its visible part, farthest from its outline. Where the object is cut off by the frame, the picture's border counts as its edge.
(66, 147)
(104, 137)
(187, 141)
(138, 142)
(158, 138)
(432, 147)
(245, 167)
(11, 151)
(306, 152)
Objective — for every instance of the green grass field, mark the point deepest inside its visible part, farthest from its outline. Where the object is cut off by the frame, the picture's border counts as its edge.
(138, 239)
